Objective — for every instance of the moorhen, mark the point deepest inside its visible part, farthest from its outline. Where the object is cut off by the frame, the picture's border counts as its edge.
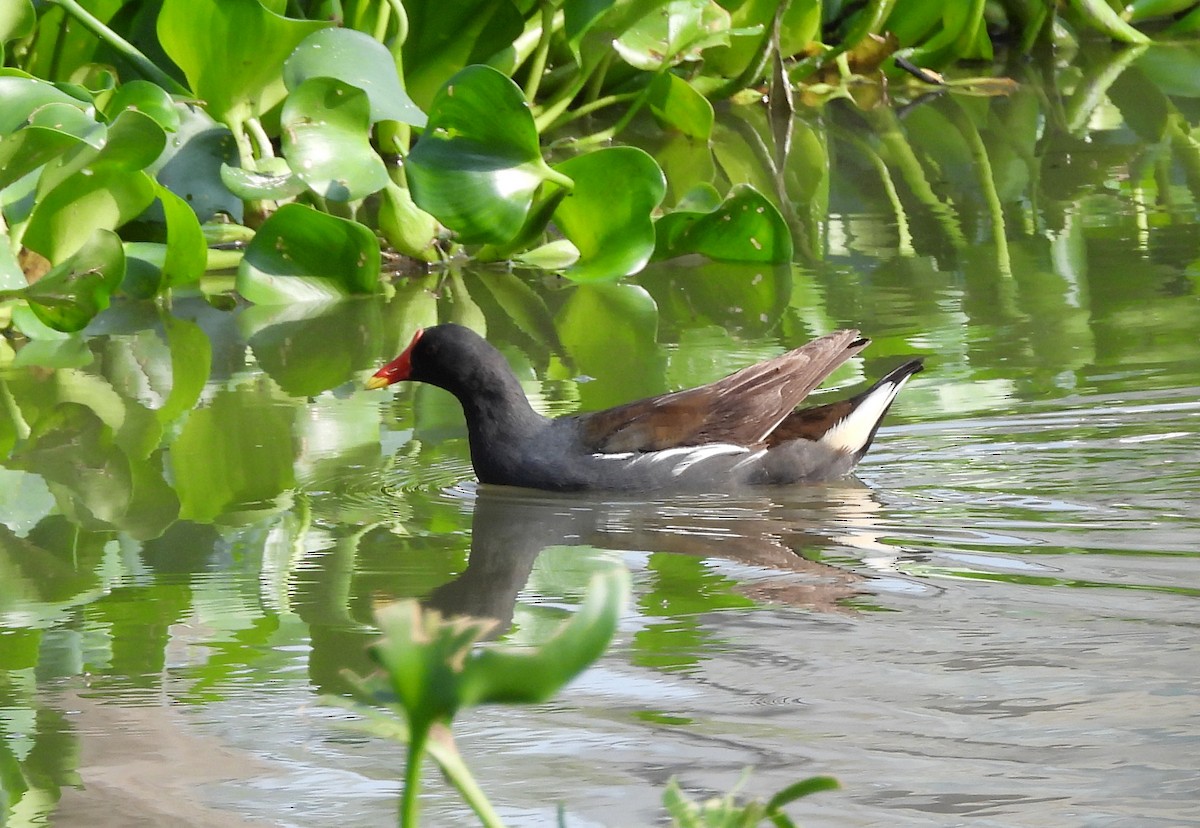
(743, 430)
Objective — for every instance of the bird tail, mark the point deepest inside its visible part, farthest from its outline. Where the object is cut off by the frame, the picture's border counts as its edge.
(854, 430)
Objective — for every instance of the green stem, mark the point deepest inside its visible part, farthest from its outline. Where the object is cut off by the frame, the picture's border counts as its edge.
(262, 142)
(122, 46)
(412, 778)
(538, 67)
(588, 108)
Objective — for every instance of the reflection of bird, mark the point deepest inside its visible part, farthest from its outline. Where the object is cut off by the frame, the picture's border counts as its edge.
(738, 431)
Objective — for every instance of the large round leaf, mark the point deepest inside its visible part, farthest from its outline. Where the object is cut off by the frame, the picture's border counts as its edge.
(51, 130)
(478, 164)
(443, 37)
(610, 226)
(300, 255)
(23, 95)
(72, 293)
(359, 60)
(746, 227)
(326, 140)
(147, 98)
(679, 31)
(191, 163)
(64, 220)
(133, 142)
(231, 52)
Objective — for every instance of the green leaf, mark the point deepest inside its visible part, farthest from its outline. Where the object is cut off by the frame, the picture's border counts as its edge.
(190, 164)
(73, 292)
(187, 251)
(301, 255)
(747, 227)
(360, 61)
(1100, 16)
(231, 52)
(52, 129)
(798, 790)
(148, 98)
(273, 179)
(326, 140)
(610, 226)
(678, 31)
(67, 218)
(291, 342)
(23, 95)
(132, 142)
(677, 104)
(445, 37)
(407, 227)
(478, 164)
(525, 677)
(17, 19)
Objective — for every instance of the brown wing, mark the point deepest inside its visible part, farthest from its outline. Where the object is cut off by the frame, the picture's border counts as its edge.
(743, 408)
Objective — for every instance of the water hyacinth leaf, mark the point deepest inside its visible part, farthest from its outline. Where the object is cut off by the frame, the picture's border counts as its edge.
(678, 105)
(445, 37)
(17, 19)
(272, 180)
(746, 227)
(326, 139)
(23, 95)
(230, 51)
(610, 226)
(360, 61)
(148, 98)
(187, 250)
(66, 219)
(478, 164)
(51, 130)
(11, 275)
(74, 291)
(301, 255)
(678, 31)
(133, 141)
(190, 164)
(405, 226)
(556, 255)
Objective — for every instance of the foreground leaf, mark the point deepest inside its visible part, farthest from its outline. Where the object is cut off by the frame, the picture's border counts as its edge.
(326, 140)
(746, 227)
(478, 165)
(300, 255)
(360, 61)
(610, 226)
(71, 294)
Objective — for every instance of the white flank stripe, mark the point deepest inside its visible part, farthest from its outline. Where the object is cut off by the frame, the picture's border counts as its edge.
(851, 434)
(700, 453)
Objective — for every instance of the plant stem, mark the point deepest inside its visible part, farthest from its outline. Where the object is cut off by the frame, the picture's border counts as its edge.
(538, 67)
(122, 46)
(262, 142)
(589, 108)
(412, 778)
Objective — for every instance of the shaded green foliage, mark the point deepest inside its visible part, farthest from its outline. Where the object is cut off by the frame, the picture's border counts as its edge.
(428, 127)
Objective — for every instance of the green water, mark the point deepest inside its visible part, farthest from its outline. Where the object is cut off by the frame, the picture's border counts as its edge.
(997, 622)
